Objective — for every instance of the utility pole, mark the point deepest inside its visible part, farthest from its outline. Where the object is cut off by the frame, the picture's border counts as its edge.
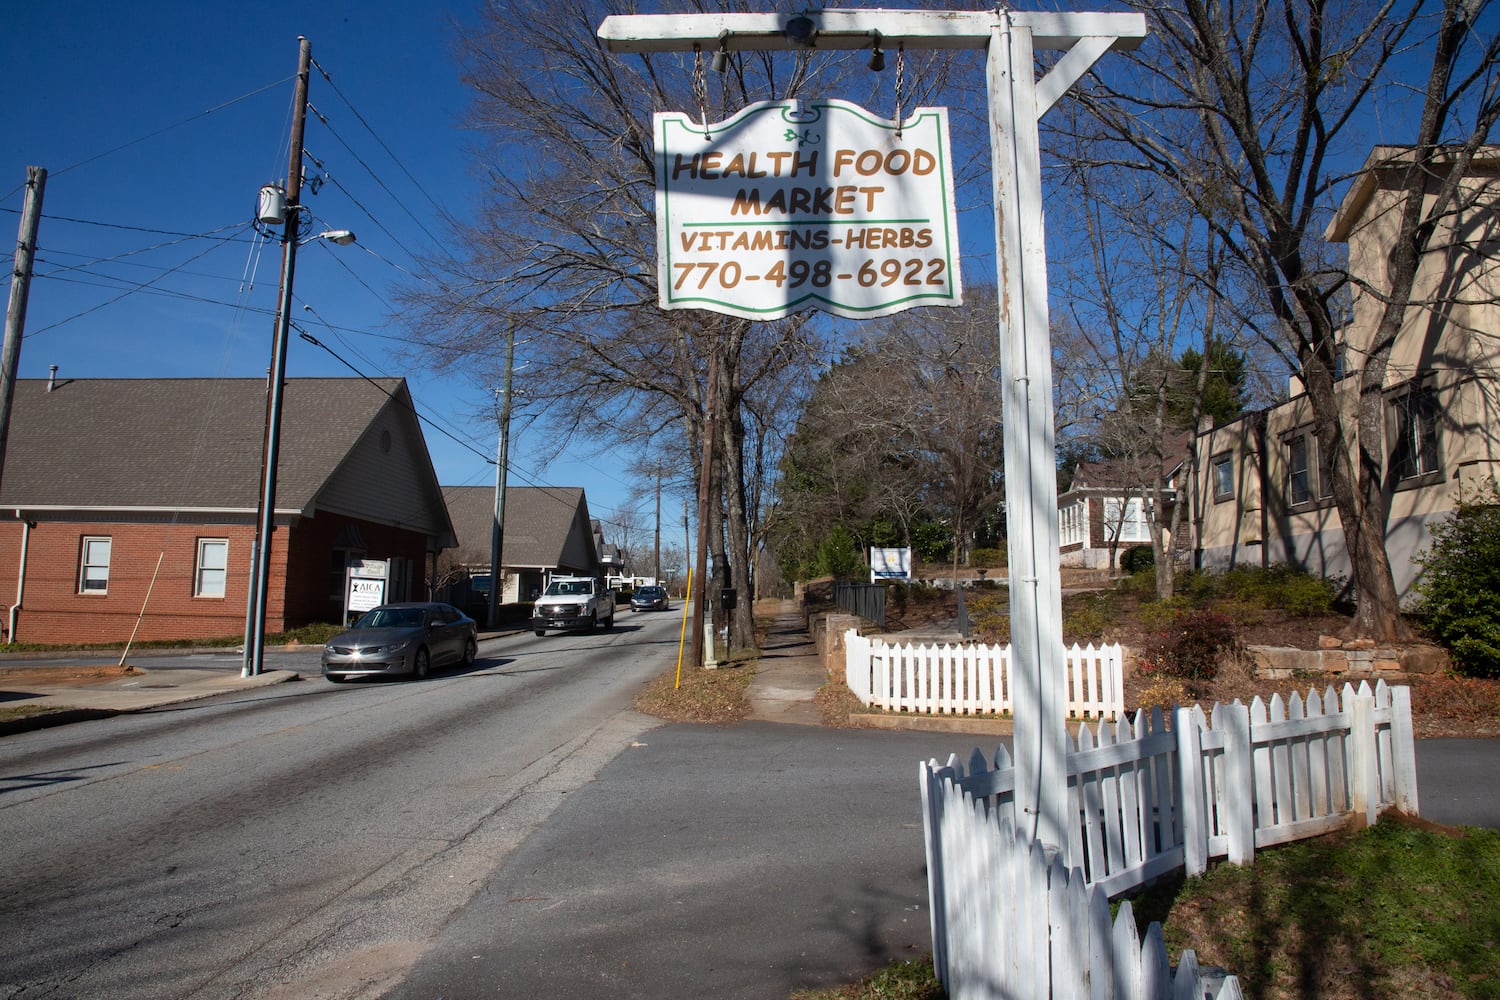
(696, 647)
(255, 637)
(656, 566)
(20, 292)
(502, 463)
(1016, 101)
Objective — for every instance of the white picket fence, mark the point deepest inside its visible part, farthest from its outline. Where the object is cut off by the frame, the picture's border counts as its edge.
(1149, 800)
(1026, 926)
(973, 678)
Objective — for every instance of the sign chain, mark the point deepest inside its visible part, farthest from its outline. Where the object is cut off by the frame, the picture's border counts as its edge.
(900, 80)
(700, 87)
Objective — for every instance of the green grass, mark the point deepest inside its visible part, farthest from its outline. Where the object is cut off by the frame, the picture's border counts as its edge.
(1401, 910)
(902, 979)
(1388, 912)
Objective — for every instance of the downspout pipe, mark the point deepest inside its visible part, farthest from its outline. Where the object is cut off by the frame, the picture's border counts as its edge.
(10, 636)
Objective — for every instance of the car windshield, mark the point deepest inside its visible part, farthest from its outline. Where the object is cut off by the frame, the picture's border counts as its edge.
(391, 618)
(557, 588)
(652, 592)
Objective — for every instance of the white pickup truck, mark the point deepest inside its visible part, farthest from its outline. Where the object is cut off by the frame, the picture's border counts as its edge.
(573, 602)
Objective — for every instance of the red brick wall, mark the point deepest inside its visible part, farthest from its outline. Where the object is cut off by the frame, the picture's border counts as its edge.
(53, 611)
(308, 575)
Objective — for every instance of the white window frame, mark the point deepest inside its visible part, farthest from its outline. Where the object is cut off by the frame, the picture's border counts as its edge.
(1301, 445)
(1073, 524)
(90, 565)
(1125, 520)
(1221, 468)
(202, 580)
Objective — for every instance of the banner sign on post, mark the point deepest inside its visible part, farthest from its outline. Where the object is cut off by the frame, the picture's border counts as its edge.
(366, 581)
(792, 205)
(890, 564)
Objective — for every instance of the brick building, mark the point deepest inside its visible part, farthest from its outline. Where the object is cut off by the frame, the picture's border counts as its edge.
(130, 504)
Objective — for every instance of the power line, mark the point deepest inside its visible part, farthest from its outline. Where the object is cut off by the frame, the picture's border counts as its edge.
(376, 177)
(530, 479)
(135, 229)
(161, 131)
(130, 291)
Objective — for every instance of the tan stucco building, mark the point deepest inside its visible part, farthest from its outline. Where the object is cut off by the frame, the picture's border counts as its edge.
(1264, 496)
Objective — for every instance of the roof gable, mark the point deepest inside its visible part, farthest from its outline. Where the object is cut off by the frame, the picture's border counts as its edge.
(187, 444)
(545, 526)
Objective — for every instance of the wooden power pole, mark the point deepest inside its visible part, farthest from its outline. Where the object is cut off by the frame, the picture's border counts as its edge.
(20, 291)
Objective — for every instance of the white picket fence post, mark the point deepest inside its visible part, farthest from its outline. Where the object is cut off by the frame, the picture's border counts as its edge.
(1364, 769)
(1236, 801)
(1188, 724)
(1403, 751)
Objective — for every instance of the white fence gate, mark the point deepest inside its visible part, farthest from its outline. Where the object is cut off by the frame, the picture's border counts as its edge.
(1148, 800)
(973, 678)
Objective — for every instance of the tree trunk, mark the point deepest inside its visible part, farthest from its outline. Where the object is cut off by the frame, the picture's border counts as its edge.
(731, 451)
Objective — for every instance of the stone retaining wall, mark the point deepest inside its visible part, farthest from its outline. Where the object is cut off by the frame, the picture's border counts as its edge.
(1356, 658)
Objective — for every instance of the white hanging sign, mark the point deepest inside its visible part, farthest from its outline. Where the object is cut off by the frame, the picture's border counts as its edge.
(792, 205)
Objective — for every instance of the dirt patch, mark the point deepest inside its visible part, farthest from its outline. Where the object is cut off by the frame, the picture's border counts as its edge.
(21, 677)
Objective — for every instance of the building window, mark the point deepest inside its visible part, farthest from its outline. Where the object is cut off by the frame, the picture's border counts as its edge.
(1073, 523)
(338, 567)
(93, 571)
(1299, 477)
(1222, 470)
(1125, 520)
(1414, 451)
(213, 567)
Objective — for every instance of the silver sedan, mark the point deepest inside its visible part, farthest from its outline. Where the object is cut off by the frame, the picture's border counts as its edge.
(405, 640)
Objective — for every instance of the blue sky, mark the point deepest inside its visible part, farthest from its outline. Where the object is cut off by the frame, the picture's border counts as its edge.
(199, 96)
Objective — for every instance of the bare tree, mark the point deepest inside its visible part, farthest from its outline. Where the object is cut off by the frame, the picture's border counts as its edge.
(908, 423)
(564, 247)
(1145, 279)
(1250, 112)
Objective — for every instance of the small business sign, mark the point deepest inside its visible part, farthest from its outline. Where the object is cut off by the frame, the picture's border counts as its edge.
(890, 564)
(365, 590)
(791, 205)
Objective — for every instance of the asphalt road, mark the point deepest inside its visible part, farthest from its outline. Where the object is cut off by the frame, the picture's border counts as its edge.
(512, 831)
(301, 840)
(739, 863)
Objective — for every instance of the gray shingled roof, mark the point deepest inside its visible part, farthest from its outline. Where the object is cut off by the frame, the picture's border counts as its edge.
(537, 522)
(178, 443)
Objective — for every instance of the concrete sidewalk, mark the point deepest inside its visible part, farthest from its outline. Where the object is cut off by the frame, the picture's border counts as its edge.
(66, 697)
(789, 674)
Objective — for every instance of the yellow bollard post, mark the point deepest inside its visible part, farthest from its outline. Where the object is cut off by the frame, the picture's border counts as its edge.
(687, 609)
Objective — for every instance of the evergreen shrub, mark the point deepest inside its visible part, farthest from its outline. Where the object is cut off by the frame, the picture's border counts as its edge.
(1460, 585)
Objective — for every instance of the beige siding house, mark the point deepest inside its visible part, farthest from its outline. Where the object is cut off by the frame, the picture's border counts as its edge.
(1264, 494)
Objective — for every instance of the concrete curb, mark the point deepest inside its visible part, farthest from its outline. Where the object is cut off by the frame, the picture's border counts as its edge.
(126, 703)
(934, 723)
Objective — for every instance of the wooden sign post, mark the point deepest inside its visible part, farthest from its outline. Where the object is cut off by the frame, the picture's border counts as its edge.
(1017, 100)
